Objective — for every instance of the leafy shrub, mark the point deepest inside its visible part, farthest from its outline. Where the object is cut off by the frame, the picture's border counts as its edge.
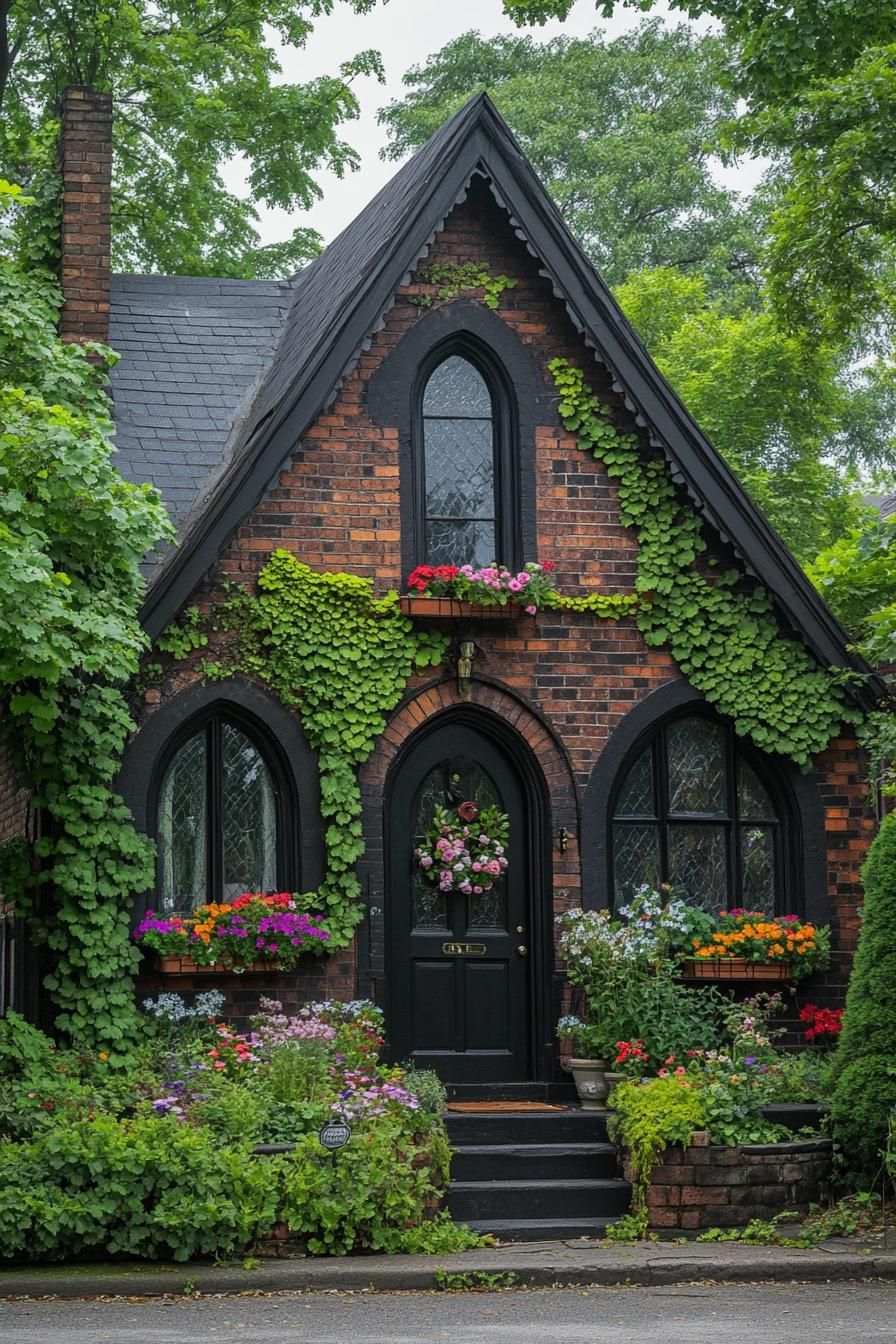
(146, 1187)
(865, 1089)
(366, 1195)
(647, 1119)
(428, 1088)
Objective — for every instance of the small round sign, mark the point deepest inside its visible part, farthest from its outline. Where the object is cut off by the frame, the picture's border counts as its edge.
(335, 1134)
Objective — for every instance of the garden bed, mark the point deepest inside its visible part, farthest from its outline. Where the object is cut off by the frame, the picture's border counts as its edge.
(706, 1185)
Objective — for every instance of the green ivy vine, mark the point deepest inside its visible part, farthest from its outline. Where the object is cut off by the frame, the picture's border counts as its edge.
(725, 638)
(455, 277)
(72, 533)
(341, 658)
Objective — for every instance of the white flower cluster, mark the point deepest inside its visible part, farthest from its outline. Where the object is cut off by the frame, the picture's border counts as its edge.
(640, 931)
(172, 1008)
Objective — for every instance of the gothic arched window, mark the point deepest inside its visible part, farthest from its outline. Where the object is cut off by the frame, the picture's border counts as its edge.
(465, 497)
(696, 810)
(220, 822)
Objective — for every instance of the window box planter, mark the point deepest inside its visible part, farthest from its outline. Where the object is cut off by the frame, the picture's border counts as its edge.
(170, 965)
(735, 968)
(452, 609)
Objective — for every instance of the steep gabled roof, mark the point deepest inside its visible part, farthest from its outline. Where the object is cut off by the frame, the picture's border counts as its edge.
(341, 301)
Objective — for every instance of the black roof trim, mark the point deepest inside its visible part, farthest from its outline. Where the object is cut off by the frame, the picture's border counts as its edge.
(341, 301)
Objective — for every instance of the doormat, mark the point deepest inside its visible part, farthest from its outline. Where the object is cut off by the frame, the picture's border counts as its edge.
(485, 1106)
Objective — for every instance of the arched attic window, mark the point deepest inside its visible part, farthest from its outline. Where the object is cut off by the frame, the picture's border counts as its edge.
(466, 499)
(223, 815)
(696, 809)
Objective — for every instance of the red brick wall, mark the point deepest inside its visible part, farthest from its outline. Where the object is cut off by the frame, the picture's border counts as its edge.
(85, 163)
(13, 800)
(567, 680)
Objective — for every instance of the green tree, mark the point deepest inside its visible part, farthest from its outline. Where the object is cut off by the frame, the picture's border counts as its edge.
(773, 403)
(865, 1093)
(72, 535)
(818, 82)
(194, 85)
(621, 132)
(857, 577)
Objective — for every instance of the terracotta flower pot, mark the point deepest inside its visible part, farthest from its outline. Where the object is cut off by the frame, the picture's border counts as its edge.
(174, 965)
(735, 968)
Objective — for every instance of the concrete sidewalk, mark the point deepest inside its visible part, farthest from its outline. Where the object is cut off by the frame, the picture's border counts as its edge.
(530, 1263)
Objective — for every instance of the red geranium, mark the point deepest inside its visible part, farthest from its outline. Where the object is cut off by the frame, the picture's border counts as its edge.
(420, 578)
(821, 1021)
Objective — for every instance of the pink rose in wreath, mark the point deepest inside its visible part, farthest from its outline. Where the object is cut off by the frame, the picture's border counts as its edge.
(468, 811)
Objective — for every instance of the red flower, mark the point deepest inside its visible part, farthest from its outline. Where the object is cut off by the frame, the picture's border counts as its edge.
(548, 566)
(468, 811)
(821, 1021)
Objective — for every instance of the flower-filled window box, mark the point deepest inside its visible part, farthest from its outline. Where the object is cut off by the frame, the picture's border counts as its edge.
(449, 592)
(750, 945)
(253, 932)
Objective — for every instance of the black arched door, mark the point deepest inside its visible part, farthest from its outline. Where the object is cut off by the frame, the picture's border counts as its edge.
(460, 965)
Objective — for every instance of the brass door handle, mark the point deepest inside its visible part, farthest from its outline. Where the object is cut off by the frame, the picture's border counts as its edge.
(522, 950)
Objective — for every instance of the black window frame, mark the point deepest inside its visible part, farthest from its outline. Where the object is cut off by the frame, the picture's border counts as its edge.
(505, 447)
(211, 723)
(788, 889)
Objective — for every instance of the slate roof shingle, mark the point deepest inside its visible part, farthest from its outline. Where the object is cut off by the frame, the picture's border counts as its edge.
(192, 352)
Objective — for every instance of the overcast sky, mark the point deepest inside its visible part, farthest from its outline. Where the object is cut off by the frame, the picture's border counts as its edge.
(405, 32)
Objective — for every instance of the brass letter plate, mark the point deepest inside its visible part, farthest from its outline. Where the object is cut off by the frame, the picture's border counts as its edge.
(464, 949)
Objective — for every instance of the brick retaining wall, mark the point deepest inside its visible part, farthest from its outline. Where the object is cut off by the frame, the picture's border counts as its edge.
(710, 1186)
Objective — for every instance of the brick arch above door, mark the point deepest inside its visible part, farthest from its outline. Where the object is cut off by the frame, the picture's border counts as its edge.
(536, 741)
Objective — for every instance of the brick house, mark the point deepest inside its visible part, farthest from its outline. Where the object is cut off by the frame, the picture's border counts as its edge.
(358, 418)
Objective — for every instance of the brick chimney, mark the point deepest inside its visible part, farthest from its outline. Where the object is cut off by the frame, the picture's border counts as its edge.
(85, 163)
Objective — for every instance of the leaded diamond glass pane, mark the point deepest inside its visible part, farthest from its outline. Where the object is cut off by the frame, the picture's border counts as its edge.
(460, 471)
(460, 543)
(182, 823)
(757, 868)
(248, 816)
(696, 761)
(488, 909)
(456, 388)
(636, 860)
(428, 904)
(636, 797)
(698, 865)
(752, 798)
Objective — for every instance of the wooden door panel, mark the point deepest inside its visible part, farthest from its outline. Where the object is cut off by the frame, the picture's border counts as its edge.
(465, 1010)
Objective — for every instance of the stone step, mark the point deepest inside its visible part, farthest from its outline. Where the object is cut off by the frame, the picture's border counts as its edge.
(570, 1125)
(534, 1161)
(472, 1201)
(542, 1229)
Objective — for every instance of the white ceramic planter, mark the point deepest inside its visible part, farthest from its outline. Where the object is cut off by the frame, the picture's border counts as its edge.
(591, 1082)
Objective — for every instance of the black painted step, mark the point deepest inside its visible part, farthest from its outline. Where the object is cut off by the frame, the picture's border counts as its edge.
(567, 1126)
(534, 1162)
(544, 1229)
(473, 1201)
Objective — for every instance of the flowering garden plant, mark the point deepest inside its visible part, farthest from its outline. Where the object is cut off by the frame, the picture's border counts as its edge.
(252, 927)
(492, 585)
(759, 937)
(464, 852)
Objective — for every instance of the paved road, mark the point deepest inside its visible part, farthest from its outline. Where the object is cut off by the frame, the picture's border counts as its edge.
(714, 1314)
